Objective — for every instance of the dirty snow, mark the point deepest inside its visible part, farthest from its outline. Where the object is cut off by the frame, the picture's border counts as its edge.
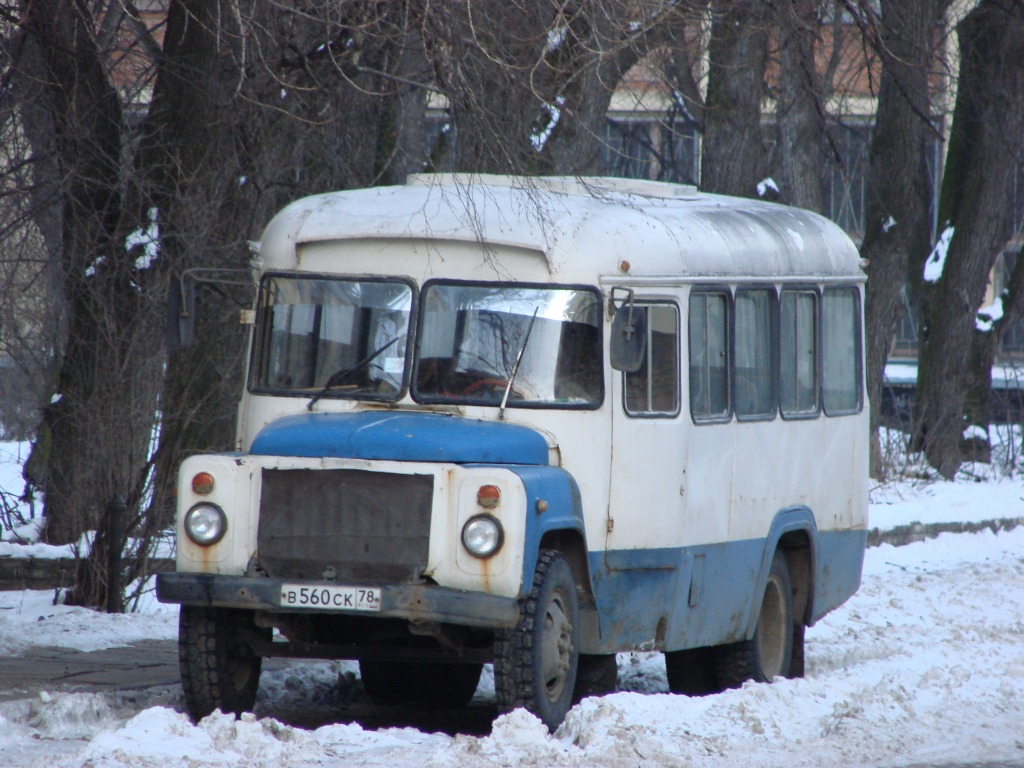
(924, 665)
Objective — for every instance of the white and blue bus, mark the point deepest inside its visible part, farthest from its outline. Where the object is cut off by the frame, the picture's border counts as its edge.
(534, 423)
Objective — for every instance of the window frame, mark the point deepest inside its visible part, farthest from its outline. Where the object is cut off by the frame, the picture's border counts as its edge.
(773, 350)
(815, 290)
(414, 368)
(258, 345)
(643, 303)
(726, 291)
(858, 349)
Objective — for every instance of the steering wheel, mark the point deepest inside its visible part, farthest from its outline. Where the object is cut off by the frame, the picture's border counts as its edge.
(493, 383)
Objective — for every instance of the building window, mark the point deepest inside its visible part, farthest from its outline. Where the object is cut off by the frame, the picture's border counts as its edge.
(664, 149)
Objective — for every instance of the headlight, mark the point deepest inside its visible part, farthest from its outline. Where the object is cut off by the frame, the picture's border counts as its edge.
(482, 536)
(205, 524)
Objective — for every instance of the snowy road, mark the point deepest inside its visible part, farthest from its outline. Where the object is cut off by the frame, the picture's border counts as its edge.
(924, 666)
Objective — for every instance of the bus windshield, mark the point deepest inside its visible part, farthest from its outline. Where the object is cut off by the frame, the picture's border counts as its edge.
(471, 336)
(331, 337)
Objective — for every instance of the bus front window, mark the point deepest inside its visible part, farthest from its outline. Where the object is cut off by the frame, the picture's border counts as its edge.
(326, 337)
(471, 335)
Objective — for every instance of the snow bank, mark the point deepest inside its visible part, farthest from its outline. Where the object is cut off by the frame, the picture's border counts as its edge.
(924, 664)
(30, 618)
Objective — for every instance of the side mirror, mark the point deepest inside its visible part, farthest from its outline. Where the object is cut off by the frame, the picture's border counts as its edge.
(181, 313)
(628, 344)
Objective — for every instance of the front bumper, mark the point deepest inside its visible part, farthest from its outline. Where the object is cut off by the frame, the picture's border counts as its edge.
(419, 602)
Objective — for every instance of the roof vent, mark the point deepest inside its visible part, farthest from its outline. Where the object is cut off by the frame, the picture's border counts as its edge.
(566, 185)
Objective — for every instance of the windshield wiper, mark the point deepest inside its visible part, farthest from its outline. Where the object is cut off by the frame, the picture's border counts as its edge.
(339, 376)
(515, 368)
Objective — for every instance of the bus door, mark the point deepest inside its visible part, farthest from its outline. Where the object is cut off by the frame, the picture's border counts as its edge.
(648, 476)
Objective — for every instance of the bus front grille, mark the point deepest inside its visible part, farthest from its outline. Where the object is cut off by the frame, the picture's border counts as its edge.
(356, 526)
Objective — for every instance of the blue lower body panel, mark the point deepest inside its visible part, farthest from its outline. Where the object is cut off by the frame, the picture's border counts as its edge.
(689, 597)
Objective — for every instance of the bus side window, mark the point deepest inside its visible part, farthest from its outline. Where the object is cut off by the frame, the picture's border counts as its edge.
(654, 389)
(753, 377)
(798, 353)
(709, 355)
(840, 325)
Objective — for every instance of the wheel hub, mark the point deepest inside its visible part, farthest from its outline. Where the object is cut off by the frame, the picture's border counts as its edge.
(556, 649)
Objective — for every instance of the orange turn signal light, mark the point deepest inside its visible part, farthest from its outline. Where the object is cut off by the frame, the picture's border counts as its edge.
(488, 497)
(202, 483)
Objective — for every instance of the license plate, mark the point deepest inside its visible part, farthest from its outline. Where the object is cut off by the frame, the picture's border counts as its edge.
(330, 598)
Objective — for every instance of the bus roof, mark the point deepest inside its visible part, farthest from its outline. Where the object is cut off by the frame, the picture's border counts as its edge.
(585, 228)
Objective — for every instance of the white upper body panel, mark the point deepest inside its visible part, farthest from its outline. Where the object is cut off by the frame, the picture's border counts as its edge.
(584, 229)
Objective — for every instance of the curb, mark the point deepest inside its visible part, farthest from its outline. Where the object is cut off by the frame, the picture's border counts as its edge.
(53, 572)
(902, 535)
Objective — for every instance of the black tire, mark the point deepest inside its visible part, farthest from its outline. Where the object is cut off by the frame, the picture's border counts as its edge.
(595, 676)
(693, 671)
(424, 683)
(796, 665)
(535, 664)
(219, 669)
(769, 653)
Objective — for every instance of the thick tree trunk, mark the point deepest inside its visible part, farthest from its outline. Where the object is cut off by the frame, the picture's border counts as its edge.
(734, 154)
(988, 123)
(188, 168)
(590, 63)
(488, 58)
(898, 220)
(223, 153)
(803, 142)
(98, 429)
(986, 345)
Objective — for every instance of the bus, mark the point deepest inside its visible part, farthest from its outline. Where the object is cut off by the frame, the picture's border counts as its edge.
(532, 422)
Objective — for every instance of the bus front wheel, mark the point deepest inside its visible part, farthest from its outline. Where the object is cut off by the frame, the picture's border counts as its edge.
(535, 663)
(769, 653)
(219, 668)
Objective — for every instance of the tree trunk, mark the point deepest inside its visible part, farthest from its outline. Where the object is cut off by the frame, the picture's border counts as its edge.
(898, 221)
(221, 155)
(986, 345)
(988, 123)
(488, 58)
(188, 166)
(99, 426)
(734, 155)
(590, 62)
(803, 143)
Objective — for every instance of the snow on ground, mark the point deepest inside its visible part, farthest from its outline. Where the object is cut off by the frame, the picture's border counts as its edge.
(924, 665)
(29, 618)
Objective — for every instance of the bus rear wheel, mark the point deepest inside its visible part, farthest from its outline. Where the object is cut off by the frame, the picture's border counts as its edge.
(692, 671)
(535, 663)
(769, 653)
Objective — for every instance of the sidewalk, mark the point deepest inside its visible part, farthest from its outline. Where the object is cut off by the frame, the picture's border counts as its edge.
(142, 665)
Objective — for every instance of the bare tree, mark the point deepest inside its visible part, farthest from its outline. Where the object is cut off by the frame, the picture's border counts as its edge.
(898, 215)
(802, 148)
(253, 104)
(984, 153)
(97, 429)
(734, 157)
